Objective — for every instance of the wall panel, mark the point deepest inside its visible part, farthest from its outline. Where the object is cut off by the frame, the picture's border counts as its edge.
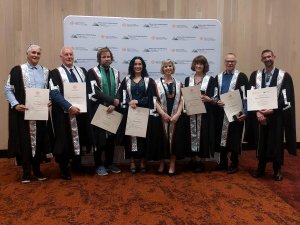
(248, 28)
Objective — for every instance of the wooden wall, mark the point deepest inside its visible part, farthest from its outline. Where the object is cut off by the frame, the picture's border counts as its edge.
(248, 28)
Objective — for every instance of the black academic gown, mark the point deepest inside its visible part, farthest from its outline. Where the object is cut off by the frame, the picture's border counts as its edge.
(235, 129)
(207, 130)
(98, 136)
(19, 143)
(60, 121)
(144, 97)
(280, 124)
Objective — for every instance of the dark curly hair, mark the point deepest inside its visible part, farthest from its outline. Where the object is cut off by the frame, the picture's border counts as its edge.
(131, 67)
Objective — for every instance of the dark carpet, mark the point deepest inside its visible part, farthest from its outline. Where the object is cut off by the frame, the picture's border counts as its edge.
(208, 198)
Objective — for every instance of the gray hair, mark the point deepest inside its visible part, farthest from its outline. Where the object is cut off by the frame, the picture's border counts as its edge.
(164, 62)
(32, 46)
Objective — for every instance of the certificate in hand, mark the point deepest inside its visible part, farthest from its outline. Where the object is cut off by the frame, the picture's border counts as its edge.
(233, 104)
(75, 93)
(107, 121)
(37, 103)
(192, 100)
(264, 98)
(137, 122)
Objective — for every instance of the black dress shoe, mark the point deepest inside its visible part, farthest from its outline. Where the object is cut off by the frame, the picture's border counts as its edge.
(66, 176)
(133, 170)
(258, 174)
(171, 174)
(278, 176)
(232, 170)
(143, 169)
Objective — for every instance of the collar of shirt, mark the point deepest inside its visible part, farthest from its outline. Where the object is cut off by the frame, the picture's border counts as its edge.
(33, 67)
(272, 72)
(226, 73)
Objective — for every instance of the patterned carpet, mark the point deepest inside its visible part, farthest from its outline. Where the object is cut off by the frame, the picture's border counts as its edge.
(209, 198)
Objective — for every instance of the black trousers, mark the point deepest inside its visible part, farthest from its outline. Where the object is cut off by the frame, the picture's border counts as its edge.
(262, 165)
(109, 149)
(29, 162)
(234, 158)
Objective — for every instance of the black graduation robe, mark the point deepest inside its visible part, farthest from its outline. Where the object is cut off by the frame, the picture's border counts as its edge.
(96, 97)
(281, 123)
(19, 141)
(135, 146)
(234, 133)
(206, 142)
(63, 143)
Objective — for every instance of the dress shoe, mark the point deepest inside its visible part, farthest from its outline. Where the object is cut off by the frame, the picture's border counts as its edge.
(133, 170)
(199, 167)
(25, 178)
(65, 176)
(278, 176)
(171, 174)
(258, 173)
(143, 169)
(232, 169)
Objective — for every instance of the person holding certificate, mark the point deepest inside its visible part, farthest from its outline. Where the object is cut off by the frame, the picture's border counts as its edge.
(28, 139)
(102, 85)
(135, 92)
(229, 135)
(169, 105)
(201, 126)
(273, 126)
(69, 125)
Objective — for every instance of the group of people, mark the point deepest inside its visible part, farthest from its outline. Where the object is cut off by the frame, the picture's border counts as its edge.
(171, 134)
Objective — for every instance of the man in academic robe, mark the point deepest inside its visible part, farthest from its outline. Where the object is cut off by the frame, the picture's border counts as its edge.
(229, 135)
(28, 140)
(69, 124)
(273, 126)
(102, 83)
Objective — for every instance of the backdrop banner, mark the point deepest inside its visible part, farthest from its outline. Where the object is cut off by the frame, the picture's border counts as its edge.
(153, 39)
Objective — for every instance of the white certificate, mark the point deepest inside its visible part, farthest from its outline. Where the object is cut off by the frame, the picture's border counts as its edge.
(37, 103)
(137, 122)
(75, 93)
(233, 104)
(264, 98)
(105, 120)
(192, 100)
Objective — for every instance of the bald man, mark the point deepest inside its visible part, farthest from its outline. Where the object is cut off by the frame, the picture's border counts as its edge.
(67, 120)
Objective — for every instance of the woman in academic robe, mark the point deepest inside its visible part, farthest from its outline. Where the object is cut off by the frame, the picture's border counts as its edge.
(135, 92)
(169, 106)
(201, 126)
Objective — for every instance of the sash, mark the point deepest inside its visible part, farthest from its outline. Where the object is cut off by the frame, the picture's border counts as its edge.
(195, 120)
(99, 79)
(258, 81)
(32, 123)
(169, 128)
(225, 121)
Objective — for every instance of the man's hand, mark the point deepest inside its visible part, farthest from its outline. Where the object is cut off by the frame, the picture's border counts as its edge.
(21, 108)
(220, 103)
(110, 109)
(74, 110)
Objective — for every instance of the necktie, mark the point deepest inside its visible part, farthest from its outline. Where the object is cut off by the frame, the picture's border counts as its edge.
(268, 78)
(74, 79)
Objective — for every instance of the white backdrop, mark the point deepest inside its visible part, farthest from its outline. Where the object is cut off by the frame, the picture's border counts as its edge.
(153, 39)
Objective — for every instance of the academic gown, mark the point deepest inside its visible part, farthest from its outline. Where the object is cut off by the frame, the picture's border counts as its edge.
(280, 124)
(206, 141)
(62, 129)
(96, 97)
(233, 139)
(135, 146)
(19, 142)
(174, 135)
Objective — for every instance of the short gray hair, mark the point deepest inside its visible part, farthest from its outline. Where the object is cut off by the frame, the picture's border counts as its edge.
(32, 46)
(164, 62)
